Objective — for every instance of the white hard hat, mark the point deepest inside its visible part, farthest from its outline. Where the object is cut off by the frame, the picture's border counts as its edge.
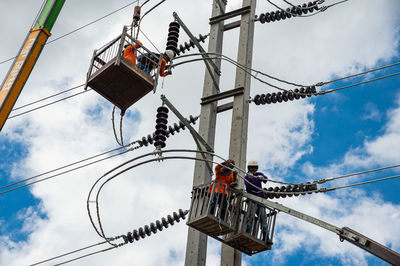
(252, 163)
(170, 54)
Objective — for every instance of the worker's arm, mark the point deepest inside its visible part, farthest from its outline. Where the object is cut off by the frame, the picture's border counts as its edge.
(162, 69)
(261, 176)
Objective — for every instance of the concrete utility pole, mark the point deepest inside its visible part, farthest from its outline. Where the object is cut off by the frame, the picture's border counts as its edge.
(196, 247)
(240, 113)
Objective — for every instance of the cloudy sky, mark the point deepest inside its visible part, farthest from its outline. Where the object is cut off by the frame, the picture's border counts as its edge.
(351, 130)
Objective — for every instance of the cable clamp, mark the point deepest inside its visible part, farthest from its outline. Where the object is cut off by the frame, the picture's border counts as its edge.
(321, 181)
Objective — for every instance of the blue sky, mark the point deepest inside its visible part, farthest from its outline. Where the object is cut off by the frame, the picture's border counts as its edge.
(347, 131)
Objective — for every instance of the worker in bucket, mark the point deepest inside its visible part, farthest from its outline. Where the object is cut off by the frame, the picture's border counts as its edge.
(226, 177)
(130, 51)
(149, 61)
(253, 182)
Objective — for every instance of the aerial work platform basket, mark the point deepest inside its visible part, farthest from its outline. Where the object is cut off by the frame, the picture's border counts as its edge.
(232, 218)
(119, 80)
(212, 212)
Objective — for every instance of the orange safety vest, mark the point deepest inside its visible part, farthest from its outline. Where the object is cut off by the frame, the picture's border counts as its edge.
(129, 52)
(225, 179)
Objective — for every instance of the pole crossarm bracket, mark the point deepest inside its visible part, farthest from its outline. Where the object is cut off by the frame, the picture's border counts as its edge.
(229, 15)
(222, 95)
(195, 134)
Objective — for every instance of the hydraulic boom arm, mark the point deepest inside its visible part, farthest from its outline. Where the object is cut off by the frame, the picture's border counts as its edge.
(344, 233)
(28, 54)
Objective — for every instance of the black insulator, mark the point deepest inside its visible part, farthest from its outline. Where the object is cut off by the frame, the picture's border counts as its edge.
(135, 234)
(192, 119)
(159, 138)
(263, 99)
(288, 13)
(271, 195)
(129, 237)
(296, 94)
(273, 98)
(272, 15)
(313, 89)
(279, 97)
(302, 91)
(162, 109)
(267, 17)
(161, 121)
(176, 127)
(150, 139)
(170, 220)
(276, 189)
(308, 91)
(315, 4)
(147, 230)
(304, 8)
(268, 98)
(262, 18)
(159, 225)
(141, 232)
(310, 7)
(291, 95)
(162, 115)
(278, 15)
(283, 15)
(285, 96)
(201, 38)
(296, 189)
(144, 141)
(176, 217)
(308, 187)
(160, 144)
(289, 190)
(181, 213)
(187, 46)
(171, 130)
(283, 189)
(161, 126)
(182, 125)
(153, 228)
(191, 43)
(303, 189)
(160, 135)
(299, 11)
(257, 99)
(164, 222)
(293, 11)
(172, 38)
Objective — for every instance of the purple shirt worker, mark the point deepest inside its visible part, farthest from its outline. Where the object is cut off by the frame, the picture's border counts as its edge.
(254, 178)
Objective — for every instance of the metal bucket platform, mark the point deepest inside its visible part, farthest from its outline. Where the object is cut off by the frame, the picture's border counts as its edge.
(119, 80)
(211, 212)
(122, 84)
(254, 228)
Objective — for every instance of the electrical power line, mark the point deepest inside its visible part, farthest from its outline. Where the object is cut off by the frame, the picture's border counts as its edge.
(48, 104)
(84, 26)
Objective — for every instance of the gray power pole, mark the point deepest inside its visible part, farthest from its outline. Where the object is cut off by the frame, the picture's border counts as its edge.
(240, 113)
(196, 247)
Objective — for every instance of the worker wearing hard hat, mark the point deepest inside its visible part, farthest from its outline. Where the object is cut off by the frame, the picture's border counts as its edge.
(225, 175)
(147, 62)
(254, 179)
(253, 182)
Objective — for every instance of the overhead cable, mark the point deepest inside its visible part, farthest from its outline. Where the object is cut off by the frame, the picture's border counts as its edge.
(84, 26)
(68, 253)
(48, 104)
(46, 98)
(321, 181)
